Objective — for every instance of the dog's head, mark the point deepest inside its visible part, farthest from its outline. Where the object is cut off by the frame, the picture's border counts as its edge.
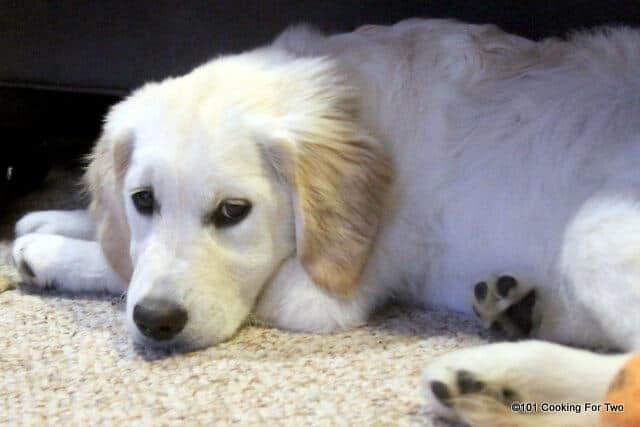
(203, 185)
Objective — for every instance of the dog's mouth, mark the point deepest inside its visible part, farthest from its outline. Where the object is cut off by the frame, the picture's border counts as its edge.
(164, 343)
(182, 323)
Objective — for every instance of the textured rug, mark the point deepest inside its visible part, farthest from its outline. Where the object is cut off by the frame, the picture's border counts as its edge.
(66, 360)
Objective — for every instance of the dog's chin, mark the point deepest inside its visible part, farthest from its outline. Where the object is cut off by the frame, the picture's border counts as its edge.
(179, 344)
(185, 342)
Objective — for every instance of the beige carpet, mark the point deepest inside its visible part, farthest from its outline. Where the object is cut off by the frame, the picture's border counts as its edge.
(66, 360)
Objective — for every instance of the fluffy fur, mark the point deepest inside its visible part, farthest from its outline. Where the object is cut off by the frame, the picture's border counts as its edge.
(409, 161)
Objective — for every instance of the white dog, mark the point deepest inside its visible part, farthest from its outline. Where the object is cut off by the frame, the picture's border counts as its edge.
(306, 182)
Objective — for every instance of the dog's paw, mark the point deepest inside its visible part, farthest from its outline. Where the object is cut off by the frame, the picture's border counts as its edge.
(506, 304)
(499, 384)
(35, 257)
(445, 391)
(484, 375)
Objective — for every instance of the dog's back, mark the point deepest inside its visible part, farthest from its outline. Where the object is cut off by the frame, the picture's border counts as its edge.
(497, 143)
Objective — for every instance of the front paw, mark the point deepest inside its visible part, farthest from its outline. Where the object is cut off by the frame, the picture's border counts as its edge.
(34, 257)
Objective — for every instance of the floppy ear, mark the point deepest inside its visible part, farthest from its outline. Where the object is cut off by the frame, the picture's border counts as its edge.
(108, 163)
(339, 175)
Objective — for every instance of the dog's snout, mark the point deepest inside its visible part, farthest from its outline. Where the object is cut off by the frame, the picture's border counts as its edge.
(159, 319)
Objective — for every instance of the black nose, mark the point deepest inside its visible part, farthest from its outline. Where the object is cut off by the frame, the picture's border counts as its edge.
(159, 319)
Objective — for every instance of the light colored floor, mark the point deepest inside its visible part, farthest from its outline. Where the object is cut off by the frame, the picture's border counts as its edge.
(66, 360)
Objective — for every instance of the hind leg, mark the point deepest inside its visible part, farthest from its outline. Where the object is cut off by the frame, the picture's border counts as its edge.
(593, 298)
(482, 383)
(507, 304)
(600, 266)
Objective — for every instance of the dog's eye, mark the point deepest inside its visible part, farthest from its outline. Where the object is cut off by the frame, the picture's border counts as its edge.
(143, 201)
(231, 212)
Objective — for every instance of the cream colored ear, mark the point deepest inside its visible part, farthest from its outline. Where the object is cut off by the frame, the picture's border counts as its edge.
(340, 188)
(104, 176)
(339, 175)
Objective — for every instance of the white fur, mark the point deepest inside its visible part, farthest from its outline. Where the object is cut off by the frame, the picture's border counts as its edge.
(65, 263)
(508, 155)
(77, 224)
(539, 372)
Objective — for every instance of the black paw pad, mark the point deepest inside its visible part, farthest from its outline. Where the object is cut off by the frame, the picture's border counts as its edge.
(505, 284)
(480, 291)
(25, 268)
(521, 313)
(467, 383)
(508, 395)
(497, 328)
(441, 392)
